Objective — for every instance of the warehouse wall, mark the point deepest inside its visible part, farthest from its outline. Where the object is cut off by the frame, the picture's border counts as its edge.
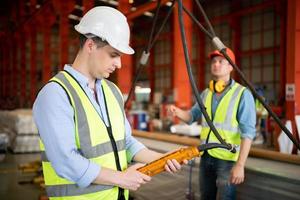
(39, 38)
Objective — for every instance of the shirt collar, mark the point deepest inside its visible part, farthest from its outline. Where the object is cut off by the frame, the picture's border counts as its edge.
(83, 80)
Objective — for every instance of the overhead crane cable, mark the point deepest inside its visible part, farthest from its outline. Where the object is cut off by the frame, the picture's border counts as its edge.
(150, 45)
(206, 18)
(139, 67)
(163, 24)
(153, 26)
(222, 48)
(192, 81)
(198, 23)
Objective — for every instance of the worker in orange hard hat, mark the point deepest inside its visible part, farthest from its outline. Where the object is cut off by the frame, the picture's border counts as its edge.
(229, 52)
(231, 108)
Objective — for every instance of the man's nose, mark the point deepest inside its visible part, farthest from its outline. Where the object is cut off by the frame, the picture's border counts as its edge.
(117, 62)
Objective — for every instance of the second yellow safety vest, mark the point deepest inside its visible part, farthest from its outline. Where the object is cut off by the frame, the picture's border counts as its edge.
(225, 121)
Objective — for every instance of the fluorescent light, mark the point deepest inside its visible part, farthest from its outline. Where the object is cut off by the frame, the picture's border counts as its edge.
(139, 89)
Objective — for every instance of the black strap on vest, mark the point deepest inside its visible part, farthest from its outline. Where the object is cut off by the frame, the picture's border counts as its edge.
(121, 195)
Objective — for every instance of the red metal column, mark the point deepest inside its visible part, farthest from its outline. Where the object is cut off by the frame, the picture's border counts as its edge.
(8, 68)
(235, 25)
(1, 68)
(32, 62)
(63, 35)
(201, 61)
(282, 9)
(46, 74)
(23, 33)
(182, 88)
(32, 5)
(124, 75)
(46, 28)
(293, 59)
(15, 60)
(87, 5)
(23, 69)
(15, 66)
(4, 70)
(64, 9)
(19, 41)
(152, 76)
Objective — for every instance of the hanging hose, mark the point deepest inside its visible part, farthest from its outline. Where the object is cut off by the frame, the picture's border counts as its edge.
(146, 53)
(192, 81)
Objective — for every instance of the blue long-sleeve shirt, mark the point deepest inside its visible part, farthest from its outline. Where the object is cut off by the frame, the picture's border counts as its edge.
(53, 116)
(246, 115)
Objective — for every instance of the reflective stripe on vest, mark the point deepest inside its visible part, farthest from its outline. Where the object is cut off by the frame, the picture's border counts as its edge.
(92, 140)
(224, 121)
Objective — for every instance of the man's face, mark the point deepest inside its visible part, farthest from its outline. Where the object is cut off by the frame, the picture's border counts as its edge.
(103, 61)
(220, 67)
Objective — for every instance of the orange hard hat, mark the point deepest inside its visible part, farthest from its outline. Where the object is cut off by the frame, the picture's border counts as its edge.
(217, 53)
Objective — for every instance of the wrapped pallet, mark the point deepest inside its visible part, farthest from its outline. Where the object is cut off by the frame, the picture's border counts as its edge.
(22, 130)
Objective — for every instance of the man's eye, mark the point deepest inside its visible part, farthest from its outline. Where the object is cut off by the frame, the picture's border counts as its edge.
(114, 55)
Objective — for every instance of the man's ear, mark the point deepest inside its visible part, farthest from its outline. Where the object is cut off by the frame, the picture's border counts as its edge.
(89, 45)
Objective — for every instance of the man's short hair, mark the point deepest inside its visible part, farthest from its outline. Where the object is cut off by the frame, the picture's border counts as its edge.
(97, 40)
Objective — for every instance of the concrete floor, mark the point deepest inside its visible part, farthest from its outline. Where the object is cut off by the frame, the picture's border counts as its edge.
(264, 180)
(10, 176)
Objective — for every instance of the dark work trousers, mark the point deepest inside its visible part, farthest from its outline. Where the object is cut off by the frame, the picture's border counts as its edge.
(214, 179)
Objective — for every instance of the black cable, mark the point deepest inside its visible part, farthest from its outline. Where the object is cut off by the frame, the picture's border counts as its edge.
(139, 67)
(153, 26)
(198, 23)
(150, 45)
(205, 147)
(192, 81)
(163, 23)
(206, 19)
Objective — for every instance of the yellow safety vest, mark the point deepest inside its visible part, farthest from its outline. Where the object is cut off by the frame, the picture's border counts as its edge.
(94, 140)
(260, 109)
(225, 121)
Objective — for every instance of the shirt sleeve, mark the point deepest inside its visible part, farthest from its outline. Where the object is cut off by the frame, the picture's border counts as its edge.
(246, 115)
(53, 116)
(195, 111)
(133, 146)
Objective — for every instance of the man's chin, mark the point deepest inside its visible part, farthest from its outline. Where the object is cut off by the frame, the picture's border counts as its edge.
(106, 75)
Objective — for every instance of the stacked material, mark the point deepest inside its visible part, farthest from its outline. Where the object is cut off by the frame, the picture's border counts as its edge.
(22, 130)
(191, 130)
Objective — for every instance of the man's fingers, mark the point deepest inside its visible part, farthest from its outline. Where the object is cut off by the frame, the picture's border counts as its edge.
(145, 177)
(176, 164)
(167, 168)
(171, 166)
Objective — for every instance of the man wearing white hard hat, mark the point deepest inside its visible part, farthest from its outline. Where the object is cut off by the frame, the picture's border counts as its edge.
(86, 140)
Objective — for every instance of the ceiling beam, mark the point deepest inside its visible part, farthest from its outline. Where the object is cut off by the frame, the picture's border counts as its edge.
(144, 8)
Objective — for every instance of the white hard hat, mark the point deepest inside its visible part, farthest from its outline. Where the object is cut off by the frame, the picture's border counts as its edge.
(108, 24)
